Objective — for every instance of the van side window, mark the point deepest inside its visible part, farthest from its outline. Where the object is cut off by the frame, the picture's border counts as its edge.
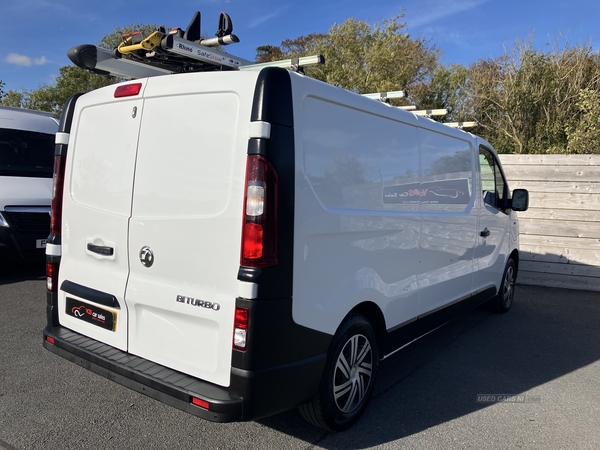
(367, 168)
(492, 181)
(385, 165)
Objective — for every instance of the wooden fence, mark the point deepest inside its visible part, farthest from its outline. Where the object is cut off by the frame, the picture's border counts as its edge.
(560, 233)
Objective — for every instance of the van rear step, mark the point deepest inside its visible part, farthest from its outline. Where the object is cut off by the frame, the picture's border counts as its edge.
(146, 377)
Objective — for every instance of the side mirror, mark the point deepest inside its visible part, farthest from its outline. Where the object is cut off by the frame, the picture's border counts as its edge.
(520, 200)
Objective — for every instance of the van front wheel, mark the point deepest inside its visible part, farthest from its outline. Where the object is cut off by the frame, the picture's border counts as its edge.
(504, 299)
(348, 378)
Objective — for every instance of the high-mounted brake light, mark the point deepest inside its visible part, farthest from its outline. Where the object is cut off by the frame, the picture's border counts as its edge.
(128, 90)
(240, 328)
(259, 231)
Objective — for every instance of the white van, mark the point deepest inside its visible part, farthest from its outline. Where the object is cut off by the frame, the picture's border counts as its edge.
(26, 162)
(236, 244)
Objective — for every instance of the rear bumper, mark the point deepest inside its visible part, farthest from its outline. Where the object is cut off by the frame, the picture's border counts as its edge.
(252, 394)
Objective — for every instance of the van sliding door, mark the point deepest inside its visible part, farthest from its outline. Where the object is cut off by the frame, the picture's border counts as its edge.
(448, 228)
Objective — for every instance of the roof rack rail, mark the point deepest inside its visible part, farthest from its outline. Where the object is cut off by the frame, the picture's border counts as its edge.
(174, 51)
(461, 125)
(431, 112)
(293, 64)
(386, 96)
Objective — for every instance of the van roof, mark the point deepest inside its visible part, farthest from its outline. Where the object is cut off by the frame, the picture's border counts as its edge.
(28, 119)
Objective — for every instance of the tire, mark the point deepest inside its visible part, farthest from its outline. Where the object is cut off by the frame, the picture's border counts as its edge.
(348, 377)
(502, 302)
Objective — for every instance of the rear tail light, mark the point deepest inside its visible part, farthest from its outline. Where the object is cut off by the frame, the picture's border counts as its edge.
(58, 183)
(240, 328)
(57, 193)
(50, 340)
(52, 277)
(259, 231)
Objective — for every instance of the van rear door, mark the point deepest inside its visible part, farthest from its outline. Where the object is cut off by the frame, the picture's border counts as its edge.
(184, 240)
(153, 216)
(96, 209)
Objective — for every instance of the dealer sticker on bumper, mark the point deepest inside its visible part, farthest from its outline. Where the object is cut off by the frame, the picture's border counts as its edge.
(91, 314)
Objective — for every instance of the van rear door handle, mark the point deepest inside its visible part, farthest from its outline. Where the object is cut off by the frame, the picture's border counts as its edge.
(101, 249)
(485, 233)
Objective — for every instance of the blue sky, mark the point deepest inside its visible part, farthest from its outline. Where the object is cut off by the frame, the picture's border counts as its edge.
(37, 33)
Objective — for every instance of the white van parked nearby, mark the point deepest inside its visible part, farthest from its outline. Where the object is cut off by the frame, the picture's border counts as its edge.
(26, 162)
(239, 243)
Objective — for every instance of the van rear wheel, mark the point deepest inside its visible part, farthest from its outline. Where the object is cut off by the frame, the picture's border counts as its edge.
(348, 378)
(502, 302)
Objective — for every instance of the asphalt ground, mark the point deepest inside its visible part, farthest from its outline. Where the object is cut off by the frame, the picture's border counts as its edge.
(545, 351)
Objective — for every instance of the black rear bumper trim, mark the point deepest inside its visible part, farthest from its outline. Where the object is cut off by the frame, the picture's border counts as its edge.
(253, 394)
(161, 383)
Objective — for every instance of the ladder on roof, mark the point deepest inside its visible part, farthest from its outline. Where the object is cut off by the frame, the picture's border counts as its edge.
(385, 97)
(175, 51)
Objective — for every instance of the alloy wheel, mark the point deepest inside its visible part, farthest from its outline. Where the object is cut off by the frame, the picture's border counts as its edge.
(353, 373)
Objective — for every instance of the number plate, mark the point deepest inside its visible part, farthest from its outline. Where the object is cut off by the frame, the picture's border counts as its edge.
(40, 243)
(91, 314)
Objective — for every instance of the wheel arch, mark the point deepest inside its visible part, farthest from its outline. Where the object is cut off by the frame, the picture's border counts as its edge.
(515, 257)
(375, 317)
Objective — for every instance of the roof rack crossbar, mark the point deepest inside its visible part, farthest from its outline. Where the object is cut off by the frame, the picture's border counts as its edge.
(294, 64)
(461, 125)
(431, 112)
(385, 96)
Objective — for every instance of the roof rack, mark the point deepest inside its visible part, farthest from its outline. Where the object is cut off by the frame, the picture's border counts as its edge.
(175, 51)
(461, 125)
(442, 112)
(293, 64)
(386, 96)
(431, 112)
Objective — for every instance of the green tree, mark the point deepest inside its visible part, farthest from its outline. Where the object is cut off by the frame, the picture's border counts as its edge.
(1, 89)
(266, 53)
(14, 99)
(527, 98)
(584, 134)
(445, 90)
(364, 58)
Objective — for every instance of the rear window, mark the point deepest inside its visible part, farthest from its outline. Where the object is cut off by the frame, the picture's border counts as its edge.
(26, 153)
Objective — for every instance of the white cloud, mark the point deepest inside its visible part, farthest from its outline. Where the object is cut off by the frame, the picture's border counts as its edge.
(40, 61)
(25, 61)
(266, 17)
(436, 10)
(37, 5)
(455, 37)
(262, 20)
